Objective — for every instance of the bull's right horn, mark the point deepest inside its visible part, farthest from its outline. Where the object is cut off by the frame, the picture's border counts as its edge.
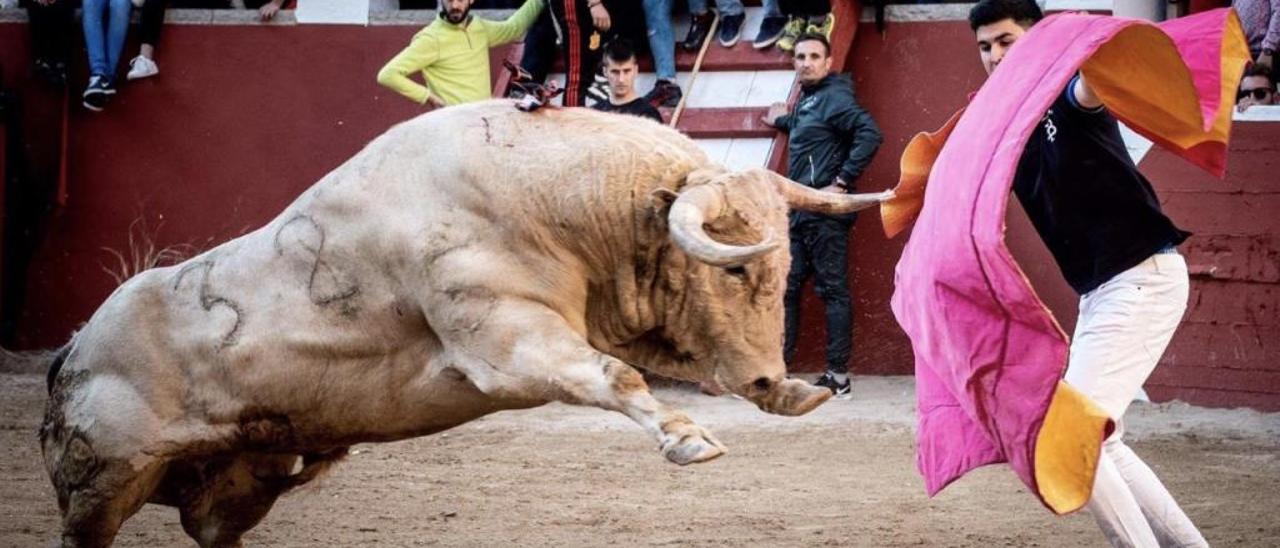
(801, 197)
(700, 205)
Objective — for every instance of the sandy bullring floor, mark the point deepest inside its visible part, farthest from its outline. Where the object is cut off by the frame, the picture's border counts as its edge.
(565, 476)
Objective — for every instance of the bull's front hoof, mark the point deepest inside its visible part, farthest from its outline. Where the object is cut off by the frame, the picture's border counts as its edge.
(793, 397)
(689, 444)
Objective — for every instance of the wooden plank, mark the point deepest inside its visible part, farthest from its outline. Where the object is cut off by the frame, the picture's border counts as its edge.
(740, 57)
(722, 123)
(1215, 398)
(1245, 347)
(1217, 378)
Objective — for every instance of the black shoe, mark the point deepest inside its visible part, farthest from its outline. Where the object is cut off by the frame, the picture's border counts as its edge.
(731, 29)
(665, 93)
(838, 390)
(95, 95)
(770, 31)
(699, 27)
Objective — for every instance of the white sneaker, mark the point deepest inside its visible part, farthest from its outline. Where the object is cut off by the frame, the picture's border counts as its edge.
(141, 67)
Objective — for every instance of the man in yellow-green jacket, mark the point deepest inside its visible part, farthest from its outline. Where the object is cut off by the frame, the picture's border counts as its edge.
(452, 53)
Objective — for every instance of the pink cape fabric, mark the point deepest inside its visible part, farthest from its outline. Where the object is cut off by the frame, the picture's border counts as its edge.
(989, 354)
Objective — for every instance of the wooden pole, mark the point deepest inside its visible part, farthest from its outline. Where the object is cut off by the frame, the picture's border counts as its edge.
(697, 66)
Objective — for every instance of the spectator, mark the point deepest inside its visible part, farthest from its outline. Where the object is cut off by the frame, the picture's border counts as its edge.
(579, 39)
(731, 17)
(771, 27)
(267, 9)
(657, 17)
(452, 54)
(51, 26)
(831, 140)
(1123, 261)
(805, 16)
(105, 24)
(1261, 22)
(575, 29)
(1256, 88)
(144, 65)
(620, 68)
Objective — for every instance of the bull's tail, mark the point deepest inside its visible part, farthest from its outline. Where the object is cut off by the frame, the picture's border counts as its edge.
(36, 361)
(59, 358)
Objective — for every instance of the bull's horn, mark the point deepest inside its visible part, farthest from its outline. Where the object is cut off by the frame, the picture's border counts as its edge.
(697, 206)
(804, 198)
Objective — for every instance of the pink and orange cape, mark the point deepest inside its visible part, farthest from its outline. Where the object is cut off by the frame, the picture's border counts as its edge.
(989, 354)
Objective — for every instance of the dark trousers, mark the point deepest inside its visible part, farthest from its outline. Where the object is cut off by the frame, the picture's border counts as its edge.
(802, 8)
(819, 249)
(52, 29)
(152, 21)
(573, 19)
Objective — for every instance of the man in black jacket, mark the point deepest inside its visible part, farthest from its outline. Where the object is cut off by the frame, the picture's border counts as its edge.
(831, 140)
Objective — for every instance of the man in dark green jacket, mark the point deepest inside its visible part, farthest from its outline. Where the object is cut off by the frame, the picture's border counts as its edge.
(831, 141)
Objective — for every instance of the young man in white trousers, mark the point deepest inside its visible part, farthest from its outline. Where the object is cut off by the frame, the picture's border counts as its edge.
(1101, 220)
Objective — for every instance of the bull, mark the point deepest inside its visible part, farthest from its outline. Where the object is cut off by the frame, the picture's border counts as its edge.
(471, 260)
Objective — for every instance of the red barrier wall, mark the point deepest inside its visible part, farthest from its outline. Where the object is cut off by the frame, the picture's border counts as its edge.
(243, 118)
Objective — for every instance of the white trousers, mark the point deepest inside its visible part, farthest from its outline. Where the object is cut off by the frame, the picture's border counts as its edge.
(1124, 326)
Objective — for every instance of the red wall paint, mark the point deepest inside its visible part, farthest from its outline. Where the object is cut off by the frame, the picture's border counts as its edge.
(1227, 350)
(243, 118)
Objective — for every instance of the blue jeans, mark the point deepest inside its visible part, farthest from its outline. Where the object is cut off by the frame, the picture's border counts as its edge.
(771, 9)
(725, 7)
(106, 22)
(662, 40)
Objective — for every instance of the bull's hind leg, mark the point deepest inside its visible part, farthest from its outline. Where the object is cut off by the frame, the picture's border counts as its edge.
(100, 473)
(523, 351)
(97, 496)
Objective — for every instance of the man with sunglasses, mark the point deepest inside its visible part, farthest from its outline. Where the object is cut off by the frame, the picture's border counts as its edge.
(1256, 88)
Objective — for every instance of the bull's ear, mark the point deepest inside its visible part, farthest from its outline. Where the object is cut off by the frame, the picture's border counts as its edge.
(661, 198)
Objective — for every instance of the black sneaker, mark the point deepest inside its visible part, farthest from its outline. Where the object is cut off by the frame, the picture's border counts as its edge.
(770, 31)
(665, 93)
(838, 390)
(95, 95)
(731, 29)
(699, 27)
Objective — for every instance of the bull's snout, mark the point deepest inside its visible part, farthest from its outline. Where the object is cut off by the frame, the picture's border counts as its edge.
(790, 397)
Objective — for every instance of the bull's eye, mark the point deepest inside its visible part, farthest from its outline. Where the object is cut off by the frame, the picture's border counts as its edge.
(738, 271)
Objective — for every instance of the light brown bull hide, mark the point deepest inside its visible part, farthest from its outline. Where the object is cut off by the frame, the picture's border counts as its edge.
(471, 260)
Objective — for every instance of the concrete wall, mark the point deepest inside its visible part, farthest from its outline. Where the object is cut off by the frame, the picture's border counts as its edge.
(244, 117)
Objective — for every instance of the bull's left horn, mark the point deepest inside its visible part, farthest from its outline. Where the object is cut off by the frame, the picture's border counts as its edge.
(804, 198)
(700, 205)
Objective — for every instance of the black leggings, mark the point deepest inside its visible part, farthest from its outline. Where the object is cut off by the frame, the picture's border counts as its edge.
(152, 21)
(805, 7)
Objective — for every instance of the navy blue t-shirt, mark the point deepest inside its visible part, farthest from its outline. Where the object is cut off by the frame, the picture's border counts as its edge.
(1097, 214)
